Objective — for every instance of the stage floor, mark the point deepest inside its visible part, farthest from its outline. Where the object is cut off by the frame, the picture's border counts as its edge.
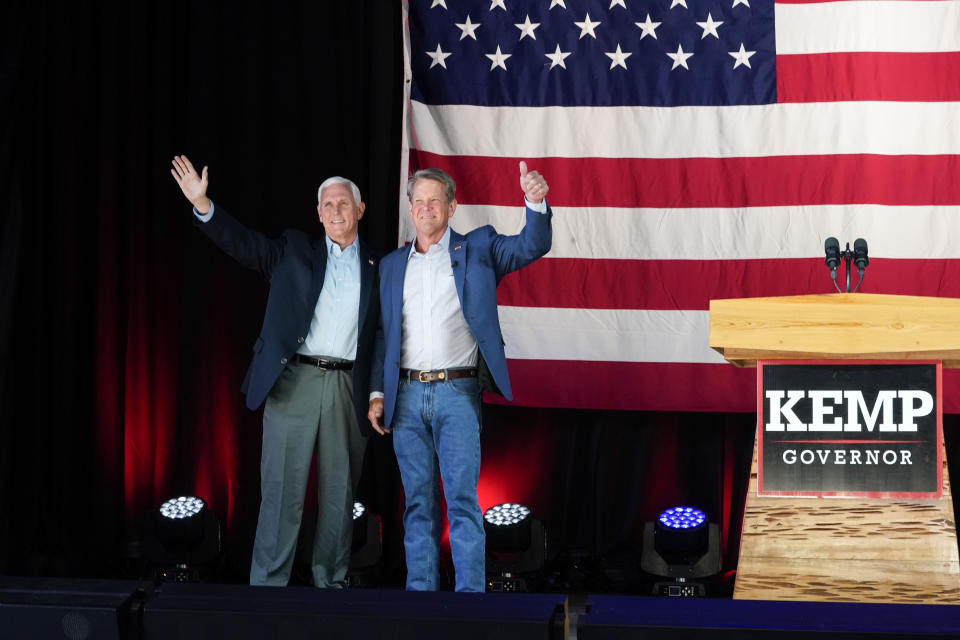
(58, 608)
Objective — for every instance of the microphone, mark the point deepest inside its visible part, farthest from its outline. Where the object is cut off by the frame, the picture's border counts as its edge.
(832, 249)
(860, 258)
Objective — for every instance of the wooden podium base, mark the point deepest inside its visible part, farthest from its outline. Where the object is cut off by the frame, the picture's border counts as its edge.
(848, 550)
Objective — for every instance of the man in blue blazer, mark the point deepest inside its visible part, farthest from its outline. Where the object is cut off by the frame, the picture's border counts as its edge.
(311, 366)
(439, 348)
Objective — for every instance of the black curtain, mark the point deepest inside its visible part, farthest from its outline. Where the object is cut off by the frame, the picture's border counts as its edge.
(123, 334)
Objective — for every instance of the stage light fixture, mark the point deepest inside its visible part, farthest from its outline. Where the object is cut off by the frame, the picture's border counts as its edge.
(181, 519)
(182, 507)
(181, 540)
(681, 533)
(681, 544)
(507, 526)
(361, 526)
(516, 544)
(367, 545)
(507, 514)
(359, 510)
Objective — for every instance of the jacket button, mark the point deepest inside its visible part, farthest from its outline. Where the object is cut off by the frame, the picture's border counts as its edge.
(283, 361)
(300, 340)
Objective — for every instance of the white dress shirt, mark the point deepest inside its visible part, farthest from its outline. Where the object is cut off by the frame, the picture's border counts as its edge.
(434, 333)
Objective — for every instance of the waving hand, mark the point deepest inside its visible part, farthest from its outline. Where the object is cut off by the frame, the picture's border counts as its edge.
(194, 186)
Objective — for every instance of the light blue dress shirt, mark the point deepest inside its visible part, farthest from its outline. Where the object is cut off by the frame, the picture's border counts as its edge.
(333, 329)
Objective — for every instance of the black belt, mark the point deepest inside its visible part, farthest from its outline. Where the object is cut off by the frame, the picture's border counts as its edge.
(323, 363)
(438, 375)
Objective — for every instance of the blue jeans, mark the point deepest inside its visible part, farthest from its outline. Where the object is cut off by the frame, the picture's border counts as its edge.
(436, 434)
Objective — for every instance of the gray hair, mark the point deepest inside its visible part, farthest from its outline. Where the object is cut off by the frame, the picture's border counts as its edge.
(441, 176)
(338, 180)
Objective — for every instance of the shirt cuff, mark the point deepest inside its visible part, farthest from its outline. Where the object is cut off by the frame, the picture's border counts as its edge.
(204, 217)
(540, 207)
(376, 395)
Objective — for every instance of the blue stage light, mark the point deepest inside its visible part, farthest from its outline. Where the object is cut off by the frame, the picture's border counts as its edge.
(683, 518)
(681, 544)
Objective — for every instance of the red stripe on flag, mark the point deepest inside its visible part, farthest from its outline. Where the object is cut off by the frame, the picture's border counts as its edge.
(691, 284)
(650, 386)
(709, 182)
(902, 77)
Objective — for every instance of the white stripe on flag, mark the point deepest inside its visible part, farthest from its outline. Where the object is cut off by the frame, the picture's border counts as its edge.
(751, 232)
(540, 333)
(690, 132)
(867, 26)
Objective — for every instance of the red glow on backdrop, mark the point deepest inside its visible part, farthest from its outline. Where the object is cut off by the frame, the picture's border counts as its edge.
(149, 411)
(661, 474)
(726, 497)
(217, 436)
(512, 468)
(151, 371)
(110, 445)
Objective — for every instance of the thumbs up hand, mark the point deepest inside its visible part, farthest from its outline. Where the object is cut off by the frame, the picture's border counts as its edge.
(534, 186)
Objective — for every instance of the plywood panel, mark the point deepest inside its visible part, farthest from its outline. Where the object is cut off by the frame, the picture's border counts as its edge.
(848, 549)
(848, 581)
(836, 326)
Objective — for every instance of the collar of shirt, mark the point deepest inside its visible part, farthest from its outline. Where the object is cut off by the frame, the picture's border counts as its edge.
(334, 249)
(444, 244)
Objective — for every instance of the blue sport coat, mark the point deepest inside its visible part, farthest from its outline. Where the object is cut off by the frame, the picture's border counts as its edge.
(479, 260)
(295, 265)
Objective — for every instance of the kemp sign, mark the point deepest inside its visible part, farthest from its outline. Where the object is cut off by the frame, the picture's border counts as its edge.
(868, 429)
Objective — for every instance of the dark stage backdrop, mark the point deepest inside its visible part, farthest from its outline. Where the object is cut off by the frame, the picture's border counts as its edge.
(124, 334)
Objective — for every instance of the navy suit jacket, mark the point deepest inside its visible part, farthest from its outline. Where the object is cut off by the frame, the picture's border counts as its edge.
(479, 260)
(295, 265)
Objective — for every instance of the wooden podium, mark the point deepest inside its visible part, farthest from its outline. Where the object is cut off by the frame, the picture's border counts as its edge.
(843, 549)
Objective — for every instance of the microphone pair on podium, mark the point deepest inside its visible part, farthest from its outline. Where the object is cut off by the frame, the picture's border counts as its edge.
(858, 256)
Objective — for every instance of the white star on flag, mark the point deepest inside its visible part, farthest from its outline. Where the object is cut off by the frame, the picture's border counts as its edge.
(679, 58)
(498, 59)
(742, 57)
(467, 28)
(439, 3)
(497, 3)
(614, 3)
(438, 57)
(557, 58)
(648, 28)
(554, 3)
(587, 27)
(682, 3)
(527, 27)
(744, 2)
(709, 27)
(618, 58)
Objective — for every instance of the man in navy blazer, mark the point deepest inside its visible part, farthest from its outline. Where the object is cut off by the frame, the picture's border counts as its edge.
(439, 348)
(311, 366)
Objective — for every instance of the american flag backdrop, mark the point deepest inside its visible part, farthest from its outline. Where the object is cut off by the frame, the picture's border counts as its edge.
(695, 149)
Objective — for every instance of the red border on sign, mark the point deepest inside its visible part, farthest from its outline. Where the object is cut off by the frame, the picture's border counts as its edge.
(850, 494)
